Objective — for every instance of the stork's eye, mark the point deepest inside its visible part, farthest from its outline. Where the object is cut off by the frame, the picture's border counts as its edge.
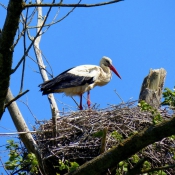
(107, 62)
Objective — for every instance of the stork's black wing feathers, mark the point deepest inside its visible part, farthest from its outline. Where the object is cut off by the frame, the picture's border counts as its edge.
(50, 83)
(64, 80)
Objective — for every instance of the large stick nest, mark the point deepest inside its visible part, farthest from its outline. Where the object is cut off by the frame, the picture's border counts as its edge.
(79, 135)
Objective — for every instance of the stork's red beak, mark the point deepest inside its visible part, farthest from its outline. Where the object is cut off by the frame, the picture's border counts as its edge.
(114, 70)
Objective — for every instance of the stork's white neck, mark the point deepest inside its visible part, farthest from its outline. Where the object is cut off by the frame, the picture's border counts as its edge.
(106, 69)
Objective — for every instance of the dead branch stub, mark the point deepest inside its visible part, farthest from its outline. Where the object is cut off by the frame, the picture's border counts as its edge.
(152, 86)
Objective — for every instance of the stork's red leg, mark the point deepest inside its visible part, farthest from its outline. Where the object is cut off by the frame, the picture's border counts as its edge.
(81, 107)
(88, 99)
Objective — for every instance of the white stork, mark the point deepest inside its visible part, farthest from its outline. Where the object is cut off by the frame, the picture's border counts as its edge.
(77, 80)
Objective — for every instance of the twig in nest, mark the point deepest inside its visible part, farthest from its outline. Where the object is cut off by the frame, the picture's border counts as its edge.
(119, 96)
(103, 140)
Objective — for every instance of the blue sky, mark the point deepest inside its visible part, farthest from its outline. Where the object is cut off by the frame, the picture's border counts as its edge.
(136, 35)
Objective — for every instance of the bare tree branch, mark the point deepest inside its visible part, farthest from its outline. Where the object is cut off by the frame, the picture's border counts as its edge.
(31, 44)
(14, 99)
(53, 104)
(21, 126)
(3, 5)
(50, 74)
(26, 104)
(71, 5)
(24, 41)
(24, 28)
(54, 22)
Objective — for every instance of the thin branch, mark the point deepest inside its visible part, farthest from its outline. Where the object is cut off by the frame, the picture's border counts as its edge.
(36, 120)
(23, 57)
(71, 5)
(4, 166)
(19, 37)
(40, 66)
(31, 44)
(32, 16)
(75, 101)
(3, 6)
(52, 23)
(50, 74)
(119, 96)
(14, 99)
(52, 20)
(158, 168)
(24, 62)
(51, 99)
(24, 29)
(18, 133)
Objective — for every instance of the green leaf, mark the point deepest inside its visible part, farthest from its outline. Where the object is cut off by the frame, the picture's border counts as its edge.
(73, 166)
(169, 97)
(116, 135)
(135, 158)
(146, 165)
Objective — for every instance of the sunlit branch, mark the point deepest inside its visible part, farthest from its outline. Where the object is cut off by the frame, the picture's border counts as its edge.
(71, 5)
(25, 132)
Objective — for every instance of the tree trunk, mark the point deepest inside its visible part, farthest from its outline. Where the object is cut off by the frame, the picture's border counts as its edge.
(152, 86)
(6, 50)
(21, 126)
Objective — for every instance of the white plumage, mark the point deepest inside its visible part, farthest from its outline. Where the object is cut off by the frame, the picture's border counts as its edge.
(80, 79)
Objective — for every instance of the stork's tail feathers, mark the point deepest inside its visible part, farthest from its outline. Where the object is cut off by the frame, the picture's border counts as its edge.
(45, 92)
(45, 88)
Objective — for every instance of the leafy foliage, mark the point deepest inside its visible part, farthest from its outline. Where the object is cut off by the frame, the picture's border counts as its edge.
(135, 158)
(169, 97)
(69, 166)
(117, 136)
(123, 168)
(146, 107)
(146, 165)
(20, 161)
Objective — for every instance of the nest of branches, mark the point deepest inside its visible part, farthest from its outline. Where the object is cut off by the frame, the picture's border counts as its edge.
(83, 135)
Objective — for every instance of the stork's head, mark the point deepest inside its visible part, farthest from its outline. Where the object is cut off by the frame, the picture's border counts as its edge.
(107, 62)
